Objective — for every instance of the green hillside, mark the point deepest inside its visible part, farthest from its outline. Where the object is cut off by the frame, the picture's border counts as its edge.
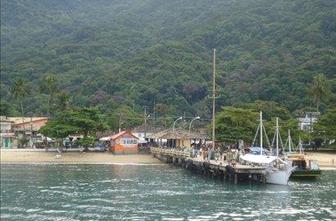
(127, 54)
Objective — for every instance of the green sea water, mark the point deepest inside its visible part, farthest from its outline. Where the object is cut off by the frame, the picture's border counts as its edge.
(155, 192)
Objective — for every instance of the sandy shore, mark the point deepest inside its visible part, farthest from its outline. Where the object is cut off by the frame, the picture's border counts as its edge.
(18, 157)
(326, 161)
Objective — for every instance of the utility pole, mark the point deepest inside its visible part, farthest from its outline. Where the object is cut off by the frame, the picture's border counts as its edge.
(145, 116)
(154, 116)
(119, 122)
(277, 137)
(261, 133)
(214, 99)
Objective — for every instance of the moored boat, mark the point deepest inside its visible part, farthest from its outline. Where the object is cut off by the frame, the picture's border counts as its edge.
(305, 168)
(277, 171)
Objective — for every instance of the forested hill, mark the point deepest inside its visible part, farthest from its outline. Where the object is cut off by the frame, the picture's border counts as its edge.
(134, 53)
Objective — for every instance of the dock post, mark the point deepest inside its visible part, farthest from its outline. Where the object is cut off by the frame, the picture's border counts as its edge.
(235, 178)
(264, 179)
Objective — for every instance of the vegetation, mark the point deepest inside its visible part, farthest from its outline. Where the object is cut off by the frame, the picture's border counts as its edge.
(19, 91)
(49, 87)
(325, 128)
(118, 57)
(233, 123)
(236, 123)
(85, 121)
(128, 53)
(320, 90)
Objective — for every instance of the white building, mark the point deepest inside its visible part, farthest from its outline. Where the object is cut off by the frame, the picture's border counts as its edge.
(306, 123)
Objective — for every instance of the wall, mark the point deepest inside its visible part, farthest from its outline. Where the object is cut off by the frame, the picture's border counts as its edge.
(5, 126)
(125, 144)
(36, 125)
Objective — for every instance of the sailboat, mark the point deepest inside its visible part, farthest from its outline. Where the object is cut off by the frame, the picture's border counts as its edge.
(277, 170)
(305, 168)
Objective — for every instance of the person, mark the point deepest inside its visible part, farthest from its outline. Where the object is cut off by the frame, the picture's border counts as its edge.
(205, 153)
(209, 154)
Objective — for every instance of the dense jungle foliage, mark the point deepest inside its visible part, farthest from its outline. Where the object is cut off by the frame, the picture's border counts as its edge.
(122, 55)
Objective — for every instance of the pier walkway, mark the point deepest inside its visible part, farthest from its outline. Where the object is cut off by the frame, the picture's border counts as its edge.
(215, 168)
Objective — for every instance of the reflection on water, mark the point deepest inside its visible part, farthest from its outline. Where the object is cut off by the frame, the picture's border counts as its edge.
(157, 192)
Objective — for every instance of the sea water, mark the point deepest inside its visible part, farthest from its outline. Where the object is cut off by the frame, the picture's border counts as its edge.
(155, 192)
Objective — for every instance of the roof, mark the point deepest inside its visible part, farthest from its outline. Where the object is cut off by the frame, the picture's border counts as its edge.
(20, 120)
(115, 136)
(5, 119)
(177, 134)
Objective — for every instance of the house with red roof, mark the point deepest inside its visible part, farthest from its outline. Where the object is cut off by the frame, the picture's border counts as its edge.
(123, 142)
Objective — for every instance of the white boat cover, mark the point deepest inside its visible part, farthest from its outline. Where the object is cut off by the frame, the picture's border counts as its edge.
(261, 159)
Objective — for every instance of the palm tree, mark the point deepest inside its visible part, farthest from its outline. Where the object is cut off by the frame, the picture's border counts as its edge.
(320, 90)
(19, 90)
(63, 100)
(49, 86)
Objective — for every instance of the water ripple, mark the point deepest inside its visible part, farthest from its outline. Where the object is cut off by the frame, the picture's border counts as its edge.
(115, 192)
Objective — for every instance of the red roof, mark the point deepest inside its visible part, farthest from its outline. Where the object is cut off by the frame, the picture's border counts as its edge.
(115, 136)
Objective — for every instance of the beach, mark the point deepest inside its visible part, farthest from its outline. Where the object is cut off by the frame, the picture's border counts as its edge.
(327, 161)
(28, 157)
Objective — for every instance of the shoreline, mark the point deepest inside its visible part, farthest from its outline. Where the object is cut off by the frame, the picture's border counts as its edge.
(42, 157)
(326, 161)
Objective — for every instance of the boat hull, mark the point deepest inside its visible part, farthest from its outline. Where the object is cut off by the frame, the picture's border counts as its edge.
(306, 174)
(279, 177)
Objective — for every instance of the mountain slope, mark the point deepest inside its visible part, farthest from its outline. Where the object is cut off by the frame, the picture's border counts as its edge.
(137, 53)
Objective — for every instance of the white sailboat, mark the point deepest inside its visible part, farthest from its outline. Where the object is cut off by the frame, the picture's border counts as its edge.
(277, 170)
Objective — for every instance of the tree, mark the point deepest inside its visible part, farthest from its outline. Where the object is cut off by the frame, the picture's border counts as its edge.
(20, 90)
(62, 100)
(85, 121)
(320, 90)
(270, 109)
(6, 109)
(49, 86)
(236, 123)
(325, 128)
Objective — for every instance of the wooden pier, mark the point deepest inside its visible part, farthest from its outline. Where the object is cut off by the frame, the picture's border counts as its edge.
(214, 168)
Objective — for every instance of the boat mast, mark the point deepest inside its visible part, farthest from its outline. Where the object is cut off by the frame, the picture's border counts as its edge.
(213, 98)
(261, 134)
(277, 137)
(289, 142)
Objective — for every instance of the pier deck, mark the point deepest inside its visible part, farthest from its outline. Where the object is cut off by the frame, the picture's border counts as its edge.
(213, 167)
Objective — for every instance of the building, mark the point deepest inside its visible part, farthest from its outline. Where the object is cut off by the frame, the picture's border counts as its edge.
(306, 123)
(177, 138)
(20, 131)
(7, 137)
(28, 123)
(122, 143)
(142, 132)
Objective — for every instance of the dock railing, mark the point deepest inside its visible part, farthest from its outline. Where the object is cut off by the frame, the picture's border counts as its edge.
(171, 152)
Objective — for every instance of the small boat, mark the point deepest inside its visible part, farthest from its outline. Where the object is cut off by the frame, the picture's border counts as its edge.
(308, 169)
(277, 170)
(305, 168)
